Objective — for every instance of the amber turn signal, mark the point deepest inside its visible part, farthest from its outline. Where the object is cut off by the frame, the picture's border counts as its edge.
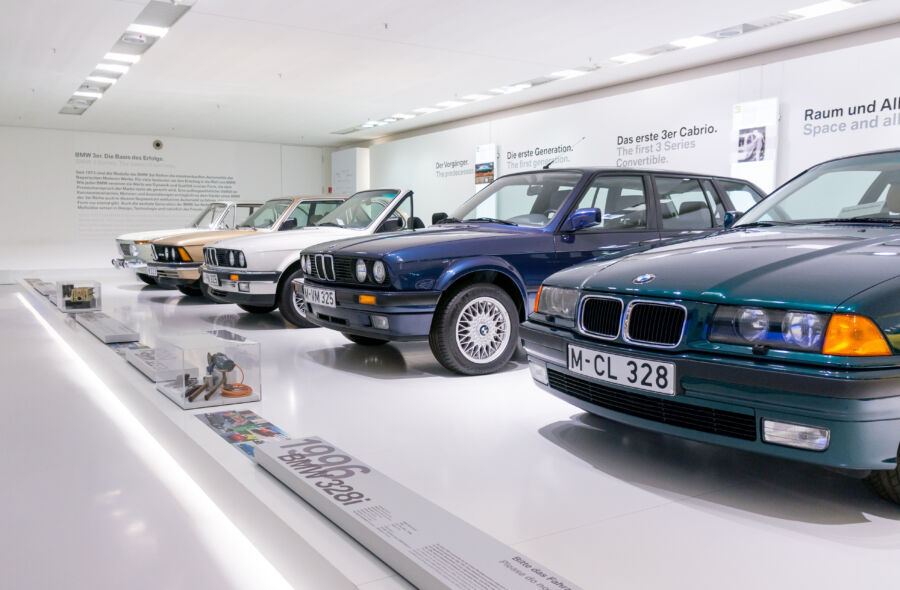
(233, 277)
(367, 299)
(854, 335)
(185, 257)
(537, 299)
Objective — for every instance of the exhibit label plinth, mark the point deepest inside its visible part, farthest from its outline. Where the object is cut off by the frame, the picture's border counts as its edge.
(424, 543)
(107, 329)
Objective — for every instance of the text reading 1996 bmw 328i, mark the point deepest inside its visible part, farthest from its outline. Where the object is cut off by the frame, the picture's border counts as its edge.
(781, 336)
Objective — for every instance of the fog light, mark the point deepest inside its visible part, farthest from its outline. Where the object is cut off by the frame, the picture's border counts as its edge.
(538, 371)
(244, 287)
(380, 322)
(813, 438)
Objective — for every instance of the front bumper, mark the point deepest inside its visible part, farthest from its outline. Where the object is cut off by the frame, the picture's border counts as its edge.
(135, 264)
(861, 408)
(408, 313)
(183, 274)
(241, 286)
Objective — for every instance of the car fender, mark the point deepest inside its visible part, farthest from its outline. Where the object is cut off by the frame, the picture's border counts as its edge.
(461, 268)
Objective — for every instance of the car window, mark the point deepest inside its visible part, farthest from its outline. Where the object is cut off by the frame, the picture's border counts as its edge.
(208, 216)
(620, 199)
(359, 210)
(742, 196)
(301, 214)
(522, 199)
(321, 209)
(267, 214)
(242, 213)
(718, 205)
(683, 204)
(228, 220)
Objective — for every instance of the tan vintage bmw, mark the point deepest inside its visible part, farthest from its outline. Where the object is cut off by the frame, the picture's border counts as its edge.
(177, 259)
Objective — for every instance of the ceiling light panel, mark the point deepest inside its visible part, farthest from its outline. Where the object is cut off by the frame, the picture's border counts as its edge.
(690, 42)
(122, 57)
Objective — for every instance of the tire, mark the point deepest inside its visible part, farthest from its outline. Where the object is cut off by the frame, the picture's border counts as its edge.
(190, 291)
(289, 304)
(364, 340)
(476, 331)
(146, 278)
(886, 483)
(259, 309)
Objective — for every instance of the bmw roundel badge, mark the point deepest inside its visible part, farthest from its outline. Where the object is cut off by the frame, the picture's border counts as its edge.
(640, 280)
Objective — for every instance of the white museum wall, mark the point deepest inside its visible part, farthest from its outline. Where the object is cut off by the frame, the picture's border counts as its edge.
(439, 165)
(67, 194)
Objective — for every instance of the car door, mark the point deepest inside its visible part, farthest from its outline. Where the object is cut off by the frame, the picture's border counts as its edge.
(626, 220)
(688, 207)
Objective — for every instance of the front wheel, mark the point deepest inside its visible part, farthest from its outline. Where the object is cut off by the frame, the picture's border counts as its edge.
(146, 278)
(291, 304)
(886, 483)
(260, 309)
(364, 340)
(476, 331)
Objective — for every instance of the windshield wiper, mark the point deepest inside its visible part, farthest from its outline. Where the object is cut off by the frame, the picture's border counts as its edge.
(861, 219)
(762, 224)
(489, 220)
(327, 224)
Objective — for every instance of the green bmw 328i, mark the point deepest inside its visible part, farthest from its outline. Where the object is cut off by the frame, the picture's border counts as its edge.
(779, 336)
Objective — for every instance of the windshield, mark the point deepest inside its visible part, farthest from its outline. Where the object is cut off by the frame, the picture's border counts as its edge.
(266, 216)
(522, 199)
(359, 210)
(209, 215)
(862, 187)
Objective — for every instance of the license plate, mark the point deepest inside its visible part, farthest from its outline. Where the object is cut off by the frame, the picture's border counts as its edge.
(151, 271)
(318, 296)
(211, 279)
(623, 370)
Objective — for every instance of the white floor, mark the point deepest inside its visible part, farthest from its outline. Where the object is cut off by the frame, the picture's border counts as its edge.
(605, 505)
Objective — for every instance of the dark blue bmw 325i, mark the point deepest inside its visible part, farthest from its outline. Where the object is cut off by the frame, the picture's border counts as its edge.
(466, 282)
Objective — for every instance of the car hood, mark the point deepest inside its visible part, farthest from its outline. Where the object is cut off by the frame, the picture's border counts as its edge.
(203, 238)
(296, 239)
(141, 236)
(816, 267)
(423, 244)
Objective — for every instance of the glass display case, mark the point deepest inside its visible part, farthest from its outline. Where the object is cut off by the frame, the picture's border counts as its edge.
(202, 369)
(78, 295)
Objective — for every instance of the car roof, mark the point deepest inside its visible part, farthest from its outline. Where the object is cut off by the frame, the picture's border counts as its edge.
(295, 198)
(594, 169)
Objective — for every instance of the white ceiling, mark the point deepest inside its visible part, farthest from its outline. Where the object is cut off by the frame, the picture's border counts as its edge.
(294, 71)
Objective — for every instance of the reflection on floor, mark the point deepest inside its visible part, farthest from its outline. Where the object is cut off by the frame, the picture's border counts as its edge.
(606, 505)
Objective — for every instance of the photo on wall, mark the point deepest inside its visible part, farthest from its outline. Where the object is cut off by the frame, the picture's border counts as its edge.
(751, 144)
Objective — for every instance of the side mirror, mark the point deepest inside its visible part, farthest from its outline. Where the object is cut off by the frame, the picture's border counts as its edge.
(288, 224)
(582, 218)
(392, 224)
(438, 217)
(731, 217)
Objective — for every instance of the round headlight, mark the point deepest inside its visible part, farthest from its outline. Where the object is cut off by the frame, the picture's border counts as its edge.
(231, 258)
(803, 329)
(753, 323)
(378, 271)
(305, 264)
(361, 270)
(241, 260)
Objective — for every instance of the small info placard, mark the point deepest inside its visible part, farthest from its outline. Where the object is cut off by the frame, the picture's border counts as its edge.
(107, 329)
(424, 543)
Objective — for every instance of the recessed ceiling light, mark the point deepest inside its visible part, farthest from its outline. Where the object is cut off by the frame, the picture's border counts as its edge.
(511, 89)
(822, 8)
(388, 120)
(402, 116)
(426, 110)
(123, 57)
(449, 104)
(88, 94)
(477, 97)
(80, 102)
(134, 39)
(629, 58)
(102, 79)
(119, 68)
(148, 30)
(566, 74)
(695, 41)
